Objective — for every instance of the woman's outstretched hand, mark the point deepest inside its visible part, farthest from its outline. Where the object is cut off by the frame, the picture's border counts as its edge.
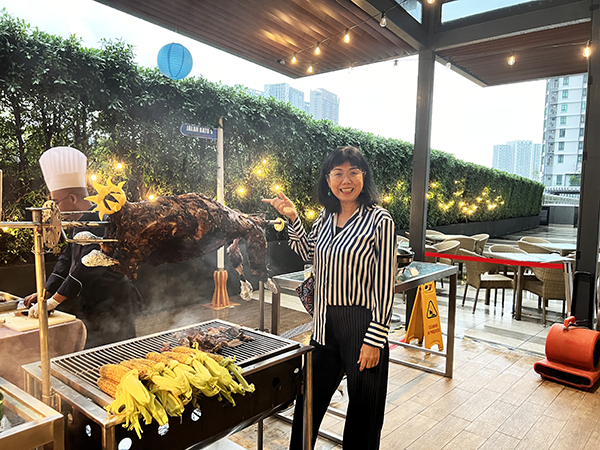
(283, 205)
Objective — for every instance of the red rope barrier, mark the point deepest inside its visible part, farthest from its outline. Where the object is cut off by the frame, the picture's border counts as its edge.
(505, 262)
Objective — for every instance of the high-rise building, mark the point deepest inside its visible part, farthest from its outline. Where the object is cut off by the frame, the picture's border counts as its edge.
(324, 105)
(518, 157)
(564, 129)
(283, 92)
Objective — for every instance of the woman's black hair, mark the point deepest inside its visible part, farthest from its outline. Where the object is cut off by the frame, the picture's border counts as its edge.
(368, 196)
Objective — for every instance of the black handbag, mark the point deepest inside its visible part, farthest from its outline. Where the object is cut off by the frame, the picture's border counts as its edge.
(306, 292)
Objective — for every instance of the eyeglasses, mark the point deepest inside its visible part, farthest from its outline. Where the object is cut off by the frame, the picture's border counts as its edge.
(352, 174)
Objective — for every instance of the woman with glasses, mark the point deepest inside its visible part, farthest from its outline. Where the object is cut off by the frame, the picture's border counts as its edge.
(352, 246)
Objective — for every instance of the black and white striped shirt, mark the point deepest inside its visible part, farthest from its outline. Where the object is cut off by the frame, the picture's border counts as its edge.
(355, 267)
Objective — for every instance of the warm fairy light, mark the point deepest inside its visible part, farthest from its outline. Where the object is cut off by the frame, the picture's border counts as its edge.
(151, 197)
(318, 49)
(511, 60)
(387, 198)
(4, 228)
(276, 187)
(258, 171)
(294, 59)
(93, 177)
(310, 69)
(347, 36)
(264, 161)
(479, 199)
(433, 184)
(118, 166)
(241, 190)
(586, 51)
(310, 213)
(461, 204)
(431, 2)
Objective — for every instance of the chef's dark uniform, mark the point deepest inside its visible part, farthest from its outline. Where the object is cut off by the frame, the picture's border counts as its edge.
(103, 299)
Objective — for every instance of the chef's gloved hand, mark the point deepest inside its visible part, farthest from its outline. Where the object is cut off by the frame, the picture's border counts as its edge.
(33, 311)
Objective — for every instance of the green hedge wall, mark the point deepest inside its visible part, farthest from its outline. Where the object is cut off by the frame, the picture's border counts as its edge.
(54, 91)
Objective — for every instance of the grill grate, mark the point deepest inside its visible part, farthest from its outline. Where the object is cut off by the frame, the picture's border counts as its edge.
(85, 365)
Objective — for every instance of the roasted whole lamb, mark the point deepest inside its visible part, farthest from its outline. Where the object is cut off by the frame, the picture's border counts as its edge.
(173, 229)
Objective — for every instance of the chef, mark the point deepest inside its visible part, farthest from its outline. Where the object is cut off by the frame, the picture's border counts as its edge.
(103, 299)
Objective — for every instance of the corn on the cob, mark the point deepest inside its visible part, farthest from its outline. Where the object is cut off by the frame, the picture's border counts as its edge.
(158, 357)
(113, 372)
(182, 358)
(107, 386)
(144, 371)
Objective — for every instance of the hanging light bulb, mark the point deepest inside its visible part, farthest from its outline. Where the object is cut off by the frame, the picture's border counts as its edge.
(294, 59)
(383, 21)
(431, 2)
(318, 49)
(395, 63)
(347, 36)
(511, 60)
(587, 51)
(310, 69)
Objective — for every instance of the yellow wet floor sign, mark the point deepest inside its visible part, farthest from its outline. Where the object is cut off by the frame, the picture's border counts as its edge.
(425, 318)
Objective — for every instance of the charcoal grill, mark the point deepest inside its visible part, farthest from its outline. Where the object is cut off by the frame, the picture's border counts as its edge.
(272, 363)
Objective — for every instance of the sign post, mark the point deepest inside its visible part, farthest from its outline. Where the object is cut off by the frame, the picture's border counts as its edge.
(220, 297)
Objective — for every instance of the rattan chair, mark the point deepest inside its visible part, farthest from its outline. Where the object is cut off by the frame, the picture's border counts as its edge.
(534, 240)
(503, 248)
(479, 276)
(481, 241)
(549, 284)
(466, 243)
(533, 248)
(430, 259)
(450, 247)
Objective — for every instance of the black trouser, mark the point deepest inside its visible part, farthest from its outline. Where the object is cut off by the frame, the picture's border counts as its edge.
(344, 333)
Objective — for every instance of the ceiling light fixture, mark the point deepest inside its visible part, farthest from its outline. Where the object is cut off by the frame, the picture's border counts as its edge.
(431, 2)
(395, 63)
(347, 36)
(310, 69)
(294, 59)
(318, 49)
(383, 21)
(511, 60)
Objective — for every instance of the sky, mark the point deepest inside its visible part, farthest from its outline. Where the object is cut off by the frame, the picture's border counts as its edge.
(468, 120)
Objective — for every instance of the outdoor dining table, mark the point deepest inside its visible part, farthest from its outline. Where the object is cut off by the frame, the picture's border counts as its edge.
(442, 237)
(535, 258)
(564, 248)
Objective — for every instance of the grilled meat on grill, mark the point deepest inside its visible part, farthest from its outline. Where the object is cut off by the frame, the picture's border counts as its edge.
(212, 340)
(173, 229)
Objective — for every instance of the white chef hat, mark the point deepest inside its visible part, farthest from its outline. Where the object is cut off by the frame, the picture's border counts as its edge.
(63, 167)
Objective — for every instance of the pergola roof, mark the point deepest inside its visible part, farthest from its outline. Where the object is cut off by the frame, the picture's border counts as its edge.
(546, 37)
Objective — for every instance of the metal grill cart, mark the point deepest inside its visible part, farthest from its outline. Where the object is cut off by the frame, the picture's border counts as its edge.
(33, 424)
(272, 363)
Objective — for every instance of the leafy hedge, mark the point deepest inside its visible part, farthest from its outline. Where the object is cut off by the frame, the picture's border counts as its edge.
(53, 91)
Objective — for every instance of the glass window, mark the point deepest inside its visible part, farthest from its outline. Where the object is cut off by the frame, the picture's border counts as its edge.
(581, 132)
(565, 94)
(565, 81)
(465, 8)
(561, 159)
(583, 105)
(585, 78)
(579, 158)
(580, 145)
(564, 107)
(562, 132)
(584, 93)
(414, 8)
(563, 120)
(582, 120)
(559, 179)
(555, 83)
(561, 146)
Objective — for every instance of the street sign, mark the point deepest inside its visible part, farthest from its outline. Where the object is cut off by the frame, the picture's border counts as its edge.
(188, 129)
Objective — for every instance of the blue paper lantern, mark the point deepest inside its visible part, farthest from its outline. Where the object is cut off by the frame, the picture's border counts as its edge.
(174, 61)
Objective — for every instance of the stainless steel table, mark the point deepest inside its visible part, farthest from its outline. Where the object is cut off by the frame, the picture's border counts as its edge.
(427, 272)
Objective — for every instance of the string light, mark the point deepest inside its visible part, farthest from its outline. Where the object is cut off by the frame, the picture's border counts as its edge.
(395, 63)
(151, 197)
(264, 161)
(431, 2)
(241, 191)
(511, 60)
(118, 166)
(383, 21)
(347, 36)
(93, 177)
(587, 51)
(310, 69)
(294, 59)
(318, 49)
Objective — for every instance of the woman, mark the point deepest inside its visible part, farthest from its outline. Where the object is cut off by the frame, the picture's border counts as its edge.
(352, 244)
